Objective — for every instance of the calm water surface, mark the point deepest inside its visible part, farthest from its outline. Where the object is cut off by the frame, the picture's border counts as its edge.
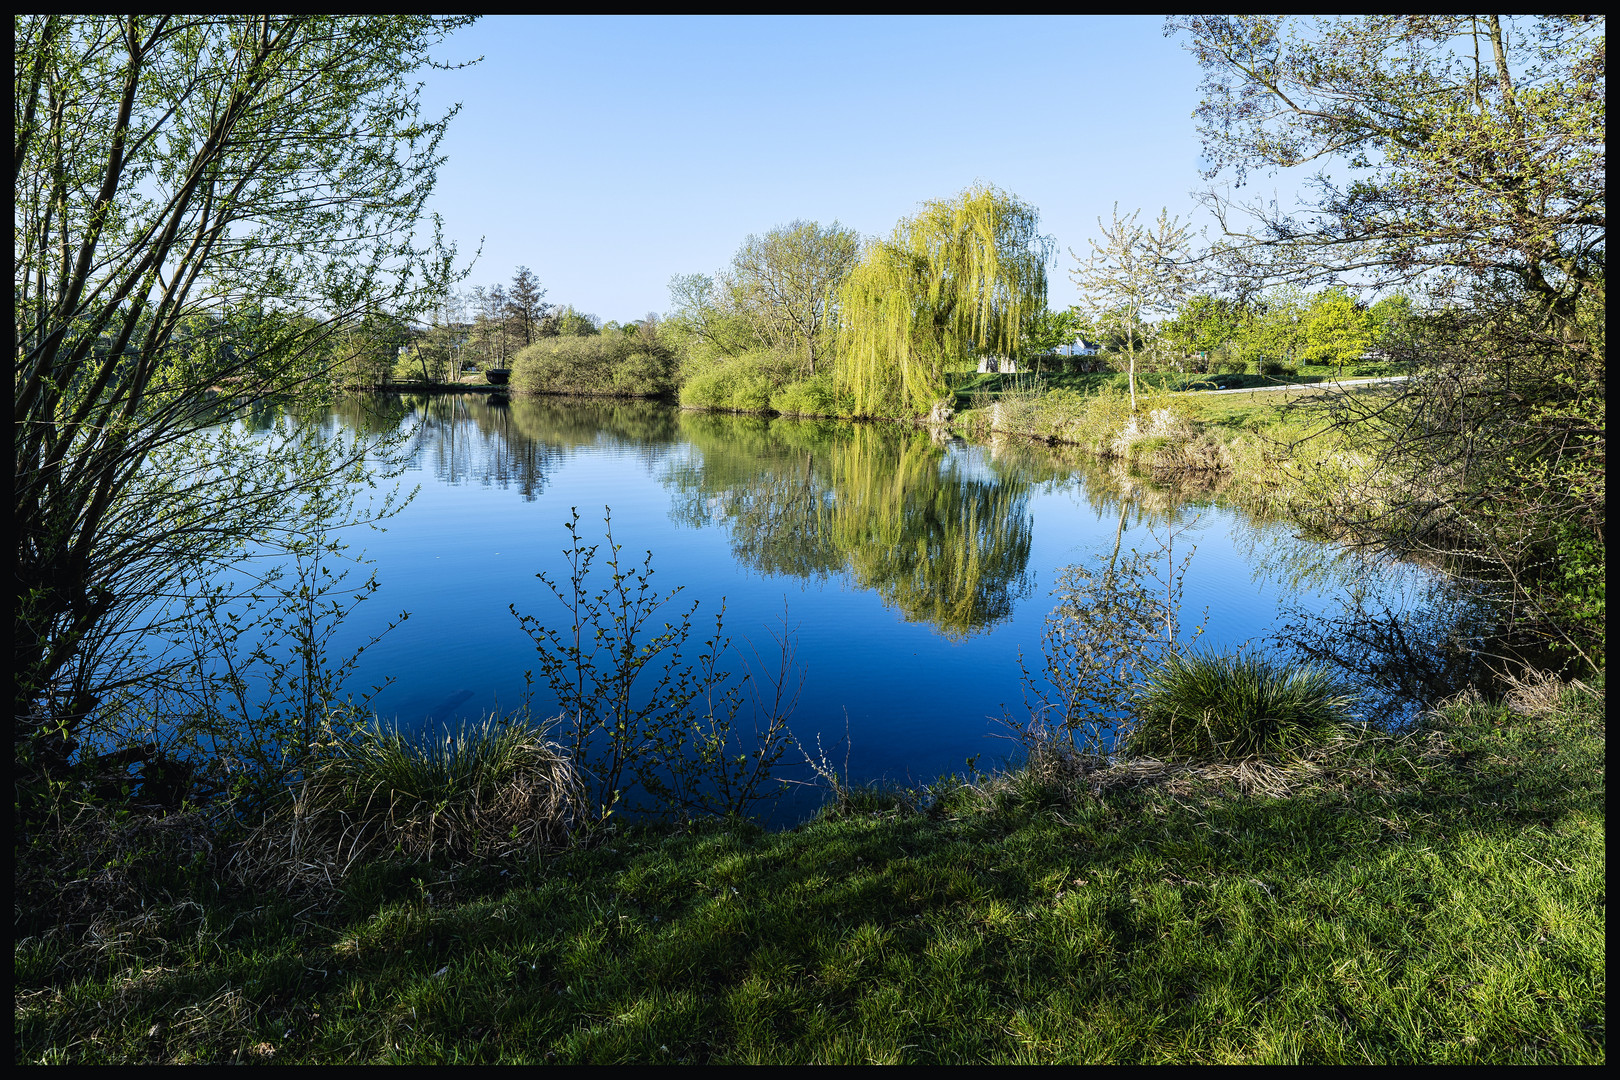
(913, 571)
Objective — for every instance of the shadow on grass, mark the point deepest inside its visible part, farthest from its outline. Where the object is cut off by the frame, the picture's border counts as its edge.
(1440, 900)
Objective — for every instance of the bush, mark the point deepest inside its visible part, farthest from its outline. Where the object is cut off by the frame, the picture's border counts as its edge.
(743, 383)
(1275, 369)
(619, 365)
(815, 396)
(1204, 706)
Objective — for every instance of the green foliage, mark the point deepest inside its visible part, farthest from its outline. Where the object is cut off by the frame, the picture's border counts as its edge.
(571, 323)
(1337, 330)
(183, 257)
(1207, 326)
(786, 284)
(1430, 166)
(1275, 330)
(1224, 706)
(1047, 330)
(638, 364)
(964, 275)
(817, 396)
(744, 383)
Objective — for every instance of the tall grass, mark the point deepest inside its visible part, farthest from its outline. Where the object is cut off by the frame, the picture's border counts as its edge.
(1209, 706)
(490, 789)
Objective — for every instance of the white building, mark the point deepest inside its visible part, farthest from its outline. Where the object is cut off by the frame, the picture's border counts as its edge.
(1079, 347)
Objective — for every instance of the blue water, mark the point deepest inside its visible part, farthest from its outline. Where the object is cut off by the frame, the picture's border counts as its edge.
(849, 531)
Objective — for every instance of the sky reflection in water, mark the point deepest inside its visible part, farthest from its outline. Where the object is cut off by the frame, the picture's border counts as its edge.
(912, 569)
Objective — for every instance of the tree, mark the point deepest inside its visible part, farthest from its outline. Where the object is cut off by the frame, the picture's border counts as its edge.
(787, 281)
(964, 274)
(1134, 273)
(1337, 329)
(1461, 145)
(1276, 331)
(525, 306)
(1049, 330)
(571, 323)
(1464, 156)
(1207, 324)
(204, 207)
(706, 314)
(489, 324)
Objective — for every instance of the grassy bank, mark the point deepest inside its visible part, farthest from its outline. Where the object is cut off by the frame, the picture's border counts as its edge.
(1437, 896)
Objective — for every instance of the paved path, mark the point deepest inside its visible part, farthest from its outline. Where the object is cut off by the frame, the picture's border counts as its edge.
(1303, 386)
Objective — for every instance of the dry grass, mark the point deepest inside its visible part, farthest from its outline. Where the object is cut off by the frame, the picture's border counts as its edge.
(492, 791)
(1353, 757)
(89, 869)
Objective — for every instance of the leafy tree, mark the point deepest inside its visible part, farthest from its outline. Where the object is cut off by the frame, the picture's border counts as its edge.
(964, 274)
(1337, 329)
(1457, 144)
(571, 323)
(1463, 155)
(1389, 318)
(1207, 324)
(1134, 273)
(525, 307)
(206, 209)
(1275, 332)
(707, 316)
(787, 283)
(1049, 330)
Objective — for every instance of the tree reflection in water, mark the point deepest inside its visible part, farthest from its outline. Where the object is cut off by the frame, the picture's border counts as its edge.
(932, 532)
(512, 443)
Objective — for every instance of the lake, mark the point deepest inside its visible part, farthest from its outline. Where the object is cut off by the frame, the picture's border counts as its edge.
(913, 570)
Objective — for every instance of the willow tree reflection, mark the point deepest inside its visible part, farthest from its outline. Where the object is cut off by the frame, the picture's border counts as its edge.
(933, 531)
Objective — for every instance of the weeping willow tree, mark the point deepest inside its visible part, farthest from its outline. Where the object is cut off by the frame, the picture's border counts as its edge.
(962, 276)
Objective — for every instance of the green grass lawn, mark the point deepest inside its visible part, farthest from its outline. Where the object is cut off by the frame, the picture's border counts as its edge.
(1435, 898)
(971, 387)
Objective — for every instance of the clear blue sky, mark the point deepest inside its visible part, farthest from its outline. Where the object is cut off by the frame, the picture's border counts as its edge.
(607, 154)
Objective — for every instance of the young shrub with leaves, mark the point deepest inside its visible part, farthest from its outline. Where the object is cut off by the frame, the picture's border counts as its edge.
(638, 713)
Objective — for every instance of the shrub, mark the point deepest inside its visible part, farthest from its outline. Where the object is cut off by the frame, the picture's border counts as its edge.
(815, 396)
(644, 714)
(1206, 706)
(743, 383)
(1275, 369)
(621, 365)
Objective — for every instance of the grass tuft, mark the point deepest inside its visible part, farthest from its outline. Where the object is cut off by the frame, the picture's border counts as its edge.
(488, 790)
(1209, 706)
